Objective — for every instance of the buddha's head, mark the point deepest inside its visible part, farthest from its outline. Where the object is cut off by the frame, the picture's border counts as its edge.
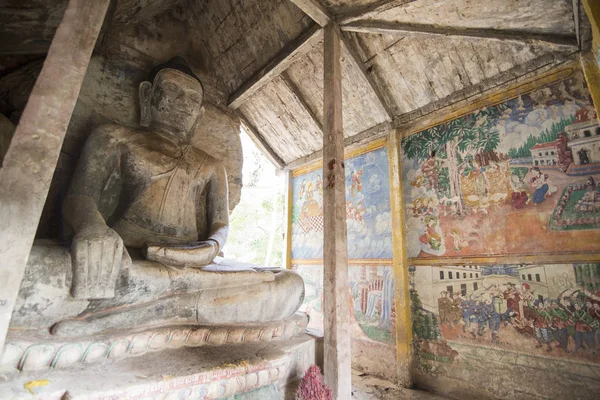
(171, 100)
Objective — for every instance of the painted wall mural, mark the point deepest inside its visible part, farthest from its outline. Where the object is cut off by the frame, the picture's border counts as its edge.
(537, 310)
(367, 209)
(517, 178)
(373, 308)
(371, 300)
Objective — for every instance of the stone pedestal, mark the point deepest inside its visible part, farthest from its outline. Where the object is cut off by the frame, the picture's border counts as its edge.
(209, 372)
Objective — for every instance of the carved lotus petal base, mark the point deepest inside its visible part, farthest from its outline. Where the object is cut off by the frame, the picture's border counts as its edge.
(40, 353)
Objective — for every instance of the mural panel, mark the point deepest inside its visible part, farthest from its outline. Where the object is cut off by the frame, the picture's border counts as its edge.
(367, 209)
(536, 310)
(371, 296)
(517, 178)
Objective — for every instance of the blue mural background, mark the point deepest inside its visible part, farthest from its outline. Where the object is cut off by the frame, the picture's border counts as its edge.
(368, 214)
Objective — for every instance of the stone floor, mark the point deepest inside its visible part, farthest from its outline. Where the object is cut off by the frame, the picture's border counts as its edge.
(365, 387)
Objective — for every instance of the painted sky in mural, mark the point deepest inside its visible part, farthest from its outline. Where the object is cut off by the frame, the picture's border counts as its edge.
(520, 177)
(367, 209)
(545, 310)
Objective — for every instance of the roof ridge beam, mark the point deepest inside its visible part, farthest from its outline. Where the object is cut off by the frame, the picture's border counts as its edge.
(279, 63)
(315, 10)
(403, 28)
(368, 76)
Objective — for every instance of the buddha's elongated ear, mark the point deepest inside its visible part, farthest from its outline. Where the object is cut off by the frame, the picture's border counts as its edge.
(145, 92)
(194, 130)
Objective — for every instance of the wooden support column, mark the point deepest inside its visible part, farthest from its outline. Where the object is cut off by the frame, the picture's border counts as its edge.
(289, 180)
(33, 153)
(401, 277)
(335, 252)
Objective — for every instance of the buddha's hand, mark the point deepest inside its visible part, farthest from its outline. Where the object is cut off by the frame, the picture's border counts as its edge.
(189, 255)
(96, 252)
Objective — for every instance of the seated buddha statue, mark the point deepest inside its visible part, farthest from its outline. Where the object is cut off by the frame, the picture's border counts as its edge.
(148, 215)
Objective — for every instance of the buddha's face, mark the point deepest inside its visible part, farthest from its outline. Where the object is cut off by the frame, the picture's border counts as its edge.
(176, 102)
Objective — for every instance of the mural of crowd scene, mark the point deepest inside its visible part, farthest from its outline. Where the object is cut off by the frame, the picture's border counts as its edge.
(520, 177)
(543, 310)
(373, 306)
(367, 209)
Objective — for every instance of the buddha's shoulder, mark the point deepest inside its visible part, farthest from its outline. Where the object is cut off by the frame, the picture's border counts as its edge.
(208, 160)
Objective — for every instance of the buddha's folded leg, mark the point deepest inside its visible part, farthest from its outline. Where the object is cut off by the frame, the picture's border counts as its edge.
(263, 302)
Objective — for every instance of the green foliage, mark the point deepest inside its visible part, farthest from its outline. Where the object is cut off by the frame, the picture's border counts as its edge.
(425, 323)
(548, 135)
(519, 172)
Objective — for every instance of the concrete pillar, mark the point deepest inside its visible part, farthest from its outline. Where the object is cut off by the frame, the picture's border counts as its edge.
(33, 153)
(336, 294)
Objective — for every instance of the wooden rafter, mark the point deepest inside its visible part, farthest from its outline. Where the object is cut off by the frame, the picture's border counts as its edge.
(260, 141)
(300, 99)
(402, 28)
(314, 9)
(368, 76)
(282, 60)
(370, 10)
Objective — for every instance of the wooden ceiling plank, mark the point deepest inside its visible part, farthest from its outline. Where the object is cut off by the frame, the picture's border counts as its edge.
(352, 50)
(300, 99)
(386, 27)
(315, 10)
(260, 142)
(298, 47)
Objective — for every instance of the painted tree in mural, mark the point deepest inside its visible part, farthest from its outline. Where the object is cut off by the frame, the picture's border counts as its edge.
(453, 146)
(425, 324)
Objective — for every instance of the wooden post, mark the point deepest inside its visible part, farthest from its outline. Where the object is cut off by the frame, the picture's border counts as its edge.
(289, 176)
(401, 277)
(335, 252)
(31, 159)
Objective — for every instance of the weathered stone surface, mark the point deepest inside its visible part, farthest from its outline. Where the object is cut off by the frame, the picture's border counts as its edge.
(148, 294)
(204, 373)
(35, 350)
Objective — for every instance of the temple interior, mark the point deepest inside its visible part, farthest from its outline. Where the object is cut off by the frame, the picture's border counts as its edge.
(442, 202)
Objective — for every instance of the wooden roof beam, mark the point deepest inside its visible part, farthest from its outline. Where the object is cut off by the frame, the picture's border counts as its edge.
(383, 102)
(315, 10)
(400, 28)
(260, 141)
(282, 60)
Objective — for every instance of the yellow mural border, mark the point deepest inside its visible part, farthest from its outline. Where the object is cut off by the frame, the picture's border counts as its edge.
(592, 257)
(352, 261)
(500, 96)
(372, 146)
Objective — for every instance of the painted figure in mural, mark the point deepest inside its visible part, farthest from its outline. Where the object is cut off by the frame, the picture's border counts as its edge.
(356, 185)
(150, 193)
(583, 155)
(444, 304)
(542, 186)
(431, 240)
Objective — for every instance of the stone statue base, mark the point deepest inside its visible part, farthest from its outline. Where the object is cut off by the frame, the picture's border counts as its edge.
(35, 350)
(183, 373)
